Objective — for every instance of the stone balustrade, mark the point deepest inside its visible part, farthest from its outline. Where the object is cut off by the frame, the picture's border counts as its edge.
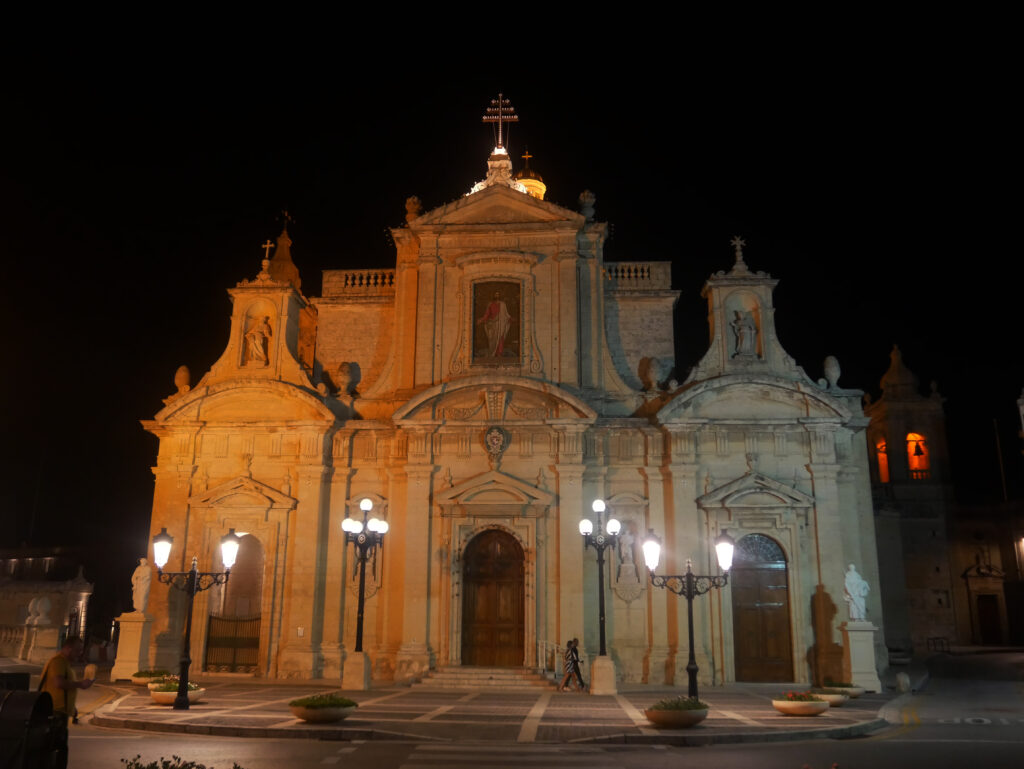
(12, 639)
(359, 283)
(638, 276)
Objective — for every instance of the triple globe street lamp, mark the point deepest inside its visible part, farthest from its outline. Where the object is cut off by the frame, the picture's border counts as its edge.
(365, 536)
(191, 582)
(689, 585)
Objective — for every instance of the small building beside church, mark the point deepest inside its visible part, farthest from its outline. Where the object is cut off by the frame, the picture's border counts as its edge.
(482, 393)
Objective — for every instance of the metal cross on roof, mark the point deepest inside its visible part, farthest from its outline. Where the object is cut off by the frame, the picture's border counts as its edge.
(501, 111)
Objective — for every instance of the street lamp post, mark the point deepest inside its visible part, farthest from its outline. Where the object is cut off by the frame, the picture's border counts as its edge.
(600, 542)
(191, 582)
(689, 585)
(365, 536)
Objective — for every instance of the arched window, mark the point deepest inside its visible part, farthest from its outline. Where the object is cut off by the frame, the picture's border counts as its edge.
(917, 457)
(883, 461)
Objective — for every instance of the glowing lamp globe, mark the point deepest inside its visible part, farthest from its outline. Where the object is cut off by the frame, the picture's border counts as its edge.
(162, 548)
(229, 544)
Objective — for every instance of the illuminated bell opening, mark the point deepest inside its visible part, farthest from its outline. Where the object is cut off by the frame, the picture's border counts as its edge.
(725, 546)
(598, 506)
(586, 527)
(229, 544)
(162, 548)
(652, 550)
(366, 504)
(613, 526)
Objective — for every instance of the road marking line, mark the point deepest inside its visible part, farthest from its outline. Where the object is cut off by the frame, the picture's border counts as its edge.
(445, 708)
(639, 719)
(737, 717)
(528, 731)
(330, 759)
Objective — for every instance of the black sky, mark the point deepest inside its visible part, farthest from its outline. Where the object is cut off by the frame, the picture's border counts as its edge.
(879, 202)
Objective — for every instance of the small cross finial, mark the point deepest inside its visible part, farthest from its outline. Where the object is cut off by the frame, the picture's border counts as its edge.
(266, 248)
(526, 157)
(287, 219)
(501, 111)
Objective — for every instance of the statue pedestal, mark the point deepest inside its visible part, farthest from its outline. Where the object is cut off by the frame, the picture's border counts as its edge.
(132, 645)
(859, 654)
(602, 676)
(356, 674)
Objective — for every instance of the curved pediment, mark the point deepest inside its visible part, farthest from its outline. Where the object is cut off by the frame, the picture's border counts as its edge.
(494, 494)
(497, 205)
(492, 399)
(753, 398)
(246, 400)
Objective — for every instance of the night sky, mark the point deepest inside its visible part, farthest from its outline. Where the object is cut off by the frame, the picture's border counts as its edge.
(129, 211)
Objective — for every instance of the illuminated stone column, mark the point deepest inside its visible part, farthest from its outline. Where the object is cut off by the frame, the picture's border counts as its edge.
(414, 655)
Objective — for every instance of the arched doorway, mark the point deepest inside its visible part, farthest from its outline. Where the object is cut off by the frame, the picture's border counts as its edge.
(493, 606)
(233, 636)
(760, 611)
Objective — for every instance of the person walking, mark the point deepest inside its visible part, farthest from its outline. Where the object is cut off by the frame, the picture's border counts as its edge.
(576, 664)
(58, 680)
(567, 666)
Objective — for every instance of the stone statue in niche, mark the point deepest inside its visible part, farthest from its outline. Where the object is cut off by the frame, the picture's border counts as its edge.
(746, 334)
(141, 578)
(856, 593)
(257, 341)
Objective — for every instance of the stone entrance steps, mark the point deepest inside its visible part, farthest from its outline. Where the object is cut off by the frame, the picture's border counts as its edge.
(521, 679)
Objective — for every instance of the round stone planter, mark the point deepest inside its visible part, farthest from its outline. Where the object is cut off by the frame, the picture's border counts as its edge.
(141, 680)
(833, 700)
(851, 691)
(167, 698)
(788, 708)
(676, 719)
(321, 715)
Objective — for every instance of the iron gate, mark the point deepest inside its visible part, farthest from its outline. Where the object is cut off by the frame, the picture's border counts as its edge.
(233, 644)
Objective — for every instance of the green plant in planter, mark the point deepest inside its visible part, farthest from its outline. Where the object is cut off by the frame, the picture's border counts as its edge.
(175, 762)
(150, 674)
(800, 697)
(316, 701)
(172, 686)
(826, 690)
(679, 703)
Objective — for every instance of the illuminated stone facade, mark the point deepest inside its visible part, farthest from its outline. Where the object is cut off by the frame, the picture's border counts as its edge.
(488, 388)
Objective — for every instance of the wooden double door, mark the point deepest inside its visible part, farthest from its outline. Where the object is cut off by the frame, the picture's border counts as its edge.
(760, 611)
(493, 605)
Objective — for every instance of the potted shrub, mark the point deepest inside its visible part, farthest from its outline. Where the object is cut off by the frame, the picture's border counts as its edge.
(155, 683)
(677, 712)
(145, 676)
(834, 697)
(164, 694)
(800, 704)
(847, 688)
(322, 708)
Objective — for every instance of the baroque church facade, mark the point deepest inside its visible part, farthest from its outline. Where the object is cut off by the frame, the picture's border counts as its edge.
(482, 394)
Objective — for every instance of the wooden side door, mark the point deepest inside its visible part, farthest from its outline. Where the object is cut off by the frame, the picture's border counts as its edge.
(493, 604)
(761, 624)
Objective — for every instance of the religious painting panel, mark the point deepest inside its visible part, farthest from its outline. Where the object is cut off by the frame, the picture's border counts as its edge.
(497, 322)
